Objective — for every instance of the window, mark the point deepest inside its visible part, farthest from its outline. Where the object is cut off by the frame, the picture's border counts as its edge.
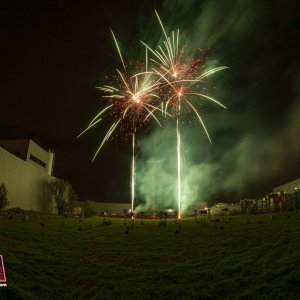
(38, 161)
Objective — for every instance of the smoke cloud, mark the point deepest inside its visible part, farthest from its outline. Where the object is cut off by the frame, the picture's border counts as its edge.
(255, 142)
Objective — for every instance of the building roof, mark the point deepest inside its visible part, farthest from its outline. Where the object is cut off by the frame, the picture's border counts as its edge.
(288, 187)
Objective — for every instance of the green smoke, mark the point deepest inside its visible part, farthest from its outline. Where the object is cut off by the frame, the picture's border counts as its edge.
(254, 141)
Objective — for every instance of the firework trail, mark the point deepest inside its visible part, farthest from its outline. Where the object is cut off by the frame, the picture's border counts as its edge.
(131, 101)
(133, 172)
(178, 166)
(183, 77)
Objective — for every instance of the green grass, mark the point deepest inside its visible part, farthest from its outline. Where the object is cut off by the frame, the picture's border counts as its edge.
(258, 259)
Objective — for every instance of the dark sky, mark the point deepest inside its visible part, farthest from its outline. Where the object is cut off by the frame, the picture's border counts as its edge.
(54, 53)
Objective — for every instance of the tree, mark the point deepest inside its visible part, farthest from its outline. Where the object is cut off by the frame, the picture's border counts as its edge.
(89, 208)
(59, 189)
(65, 196)
(3, 196)
(72, 198)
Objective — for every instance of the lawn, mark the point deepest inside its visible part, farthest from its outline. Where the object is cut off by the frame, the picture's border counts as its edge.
(247, 257)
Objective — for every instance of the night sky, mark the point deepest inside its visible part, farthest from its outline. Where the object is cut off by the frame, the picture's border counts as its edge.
(54, 53)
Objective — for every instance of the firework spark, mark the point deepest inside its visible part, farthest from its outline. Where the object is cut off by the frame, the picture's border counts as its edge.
(175, 80)
(183, 77)
(131, 102)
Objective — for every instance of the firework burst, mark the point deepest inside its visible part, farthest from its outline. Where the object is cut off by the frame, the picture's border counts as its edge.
(174, 82)
(184, 79)
(183, 75)
(131, 102)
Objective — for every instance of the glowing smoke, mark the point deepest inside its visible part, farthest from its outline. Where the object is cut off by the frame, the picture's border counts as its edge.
(255, 143)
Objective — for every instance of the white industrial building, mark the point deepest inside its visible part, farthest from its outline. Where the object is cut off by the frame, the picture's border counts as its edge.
(113, 208)
(288, 188)
(26, 170)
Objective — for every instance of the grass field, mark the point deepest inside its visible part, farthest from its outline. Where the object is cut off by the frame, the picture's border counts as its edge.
(252, 257)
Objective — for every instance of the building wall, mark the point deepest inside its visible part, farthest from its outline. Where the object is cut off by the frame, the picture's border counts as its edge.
(31, 152)
(114, 208)
(38, 157)
(26, 184)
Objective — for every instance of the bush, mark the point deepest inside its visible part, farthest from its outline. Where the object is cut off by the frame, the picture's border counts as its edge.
(16, 211)
(3, 196)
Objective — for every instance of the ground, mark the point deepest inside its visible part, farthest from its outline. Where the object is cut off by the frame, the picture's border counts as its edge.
(246, 257)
